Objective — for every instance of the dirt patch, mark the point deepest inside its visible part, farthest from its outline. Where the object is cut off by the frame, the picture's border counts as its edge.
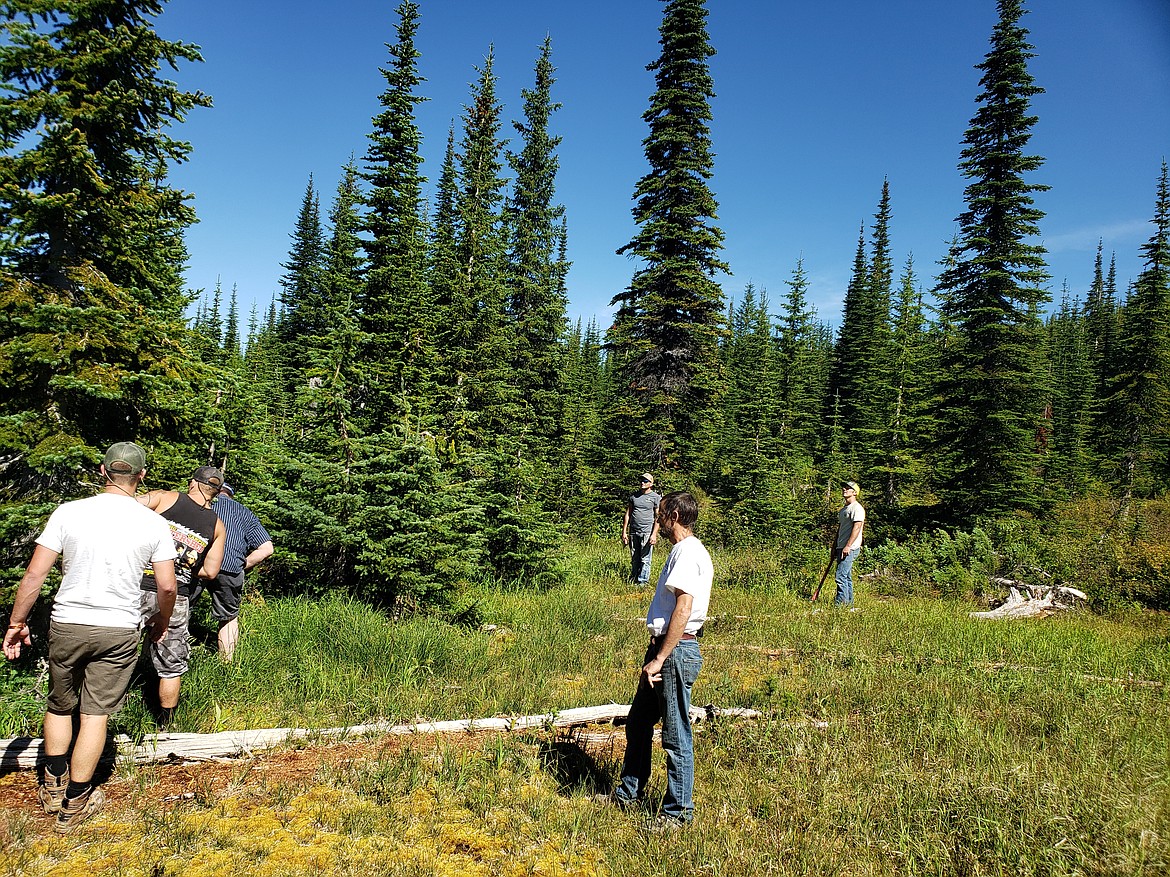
(167, 784)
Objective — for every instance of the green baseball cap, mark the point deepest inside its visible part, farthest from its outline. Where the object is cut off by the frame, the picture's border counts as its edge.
(125, 458)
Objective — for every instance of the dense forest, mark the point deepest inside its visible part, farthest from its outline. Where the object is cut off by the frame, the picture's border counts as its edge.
(414, 410)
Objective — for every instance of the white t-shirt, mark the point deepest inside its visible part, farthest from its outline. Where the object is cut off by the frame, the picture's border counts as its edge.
(846, 518)
(687, 570)
(104, 542)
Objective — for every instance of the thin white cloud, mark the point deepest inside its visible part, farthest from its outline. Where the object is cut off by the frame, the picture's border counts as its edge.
(1084, 239)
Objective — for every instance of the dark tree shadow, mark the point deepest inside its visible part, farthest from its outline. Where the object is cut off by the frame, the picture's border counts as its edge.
(575, 768)
(11, 754)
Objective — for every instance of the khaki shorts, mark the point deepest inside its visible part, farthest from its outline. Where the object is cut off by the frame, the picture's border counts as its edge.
(170, 656)
(90, 664)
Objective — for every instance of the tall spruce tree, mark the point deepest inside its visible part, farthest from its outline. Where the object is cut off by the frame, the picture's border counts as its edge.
(314, 495)
(231, 328)
(994, 397)
(536, 297)
(477, 344)
(747, 448)
(443, 273)
(1137, 406)
(585, 396)
(847, 387)
(1067, 450)
(900, 463)
(799, 369)
(877, 400)
(492, 441)
(397, 306)
(669, 319)
(91, 236)
(301, 295)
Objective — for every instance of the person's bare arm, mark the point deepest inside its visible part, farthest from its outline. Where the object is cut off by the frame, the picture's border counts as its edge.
(27, 592)
(164, 580)
(626, 525)
(150, 499)
(854, 538)
(213, 559)
(259, 555)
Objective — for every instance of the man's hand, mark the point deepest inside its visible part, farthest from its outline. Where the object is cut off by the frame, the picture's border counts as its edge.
(625, 539)
(14, 639)
(652, 672)
(158, 626)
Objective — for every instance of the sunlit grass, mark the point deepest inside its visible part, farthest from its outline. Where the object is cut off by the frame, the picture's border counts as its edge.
(905, 738)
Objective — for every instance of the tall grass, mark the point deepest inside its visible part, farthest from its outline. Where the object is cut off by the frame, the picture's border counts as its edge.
(905, 738)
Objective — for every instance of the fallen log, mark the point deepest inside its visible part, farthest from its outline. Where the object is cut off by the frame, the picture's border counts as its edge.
(1031, 601)
(23, 752)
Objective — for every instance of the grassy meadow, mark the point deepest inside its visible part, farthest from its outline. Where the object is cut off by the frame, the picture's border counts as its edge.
(902, 738)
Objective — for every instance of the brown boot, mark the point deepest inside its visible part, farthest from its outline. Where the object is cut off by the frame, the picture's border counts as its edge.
(52, 791)
(75, 811)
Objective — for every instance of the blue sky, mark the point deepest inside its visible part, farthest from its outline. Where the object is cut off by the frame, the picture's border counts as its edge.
(816, 104)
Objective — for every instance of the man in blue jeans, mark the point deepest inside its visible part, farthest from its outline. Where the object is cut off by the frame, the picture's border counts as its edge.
(640, 528)
(850, 523)
(675, 619)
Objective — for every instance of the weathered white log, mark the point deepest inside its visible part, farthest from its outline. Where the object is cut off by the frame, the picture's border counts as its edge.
(22, 752)
(1031, 601)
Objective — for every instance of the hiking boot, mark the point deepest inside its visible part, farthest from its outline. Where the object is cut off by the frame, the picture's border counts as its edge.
(75, 811)
(664, 825)
(52, 791)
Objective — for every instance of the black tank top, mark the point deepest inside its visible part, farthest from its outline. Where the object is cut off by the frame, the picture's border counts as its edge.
(193, 529)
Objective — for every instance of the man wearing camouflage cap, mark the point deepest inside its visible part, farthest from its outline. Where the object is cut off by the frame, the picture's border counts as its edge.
(104, 543)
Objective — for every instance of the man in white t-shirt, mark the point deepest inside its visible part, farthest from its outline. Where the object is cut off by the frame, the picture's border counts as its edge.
(850, 524)
(675, 620)
(104, 543)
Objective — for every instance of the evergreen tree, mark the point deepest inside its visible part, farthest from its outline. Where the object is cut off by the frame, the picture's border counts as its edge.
(800, 372)
(847, 386)
(207, 326)
(861, 379)
(1072, 398)
(476, 341)
(370, 514)
(586, 392)
(747, 446)
(316, 497)
(878, 398)
(301, 297)
(302, 301)
(902, 440)
(536, 296)
(443, 265)
(994, 396)
(668, 321)
(92, 344)
(1101, 327)
(1138, 403)
(397, 305)
(492, 451)
(231, 328)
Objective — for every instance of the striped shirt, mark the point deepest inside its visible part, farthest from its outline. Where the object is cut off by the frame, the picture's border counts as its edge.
(244, 531)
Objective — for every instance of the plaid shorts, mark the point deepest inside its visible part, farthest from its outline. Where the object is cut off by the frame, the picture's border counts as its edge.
(170, 656)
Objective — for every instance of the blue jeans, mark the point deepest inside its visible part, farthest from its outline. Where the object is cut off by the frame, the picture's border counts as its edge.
(640, 551)
(670, 701)
(844, 578)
